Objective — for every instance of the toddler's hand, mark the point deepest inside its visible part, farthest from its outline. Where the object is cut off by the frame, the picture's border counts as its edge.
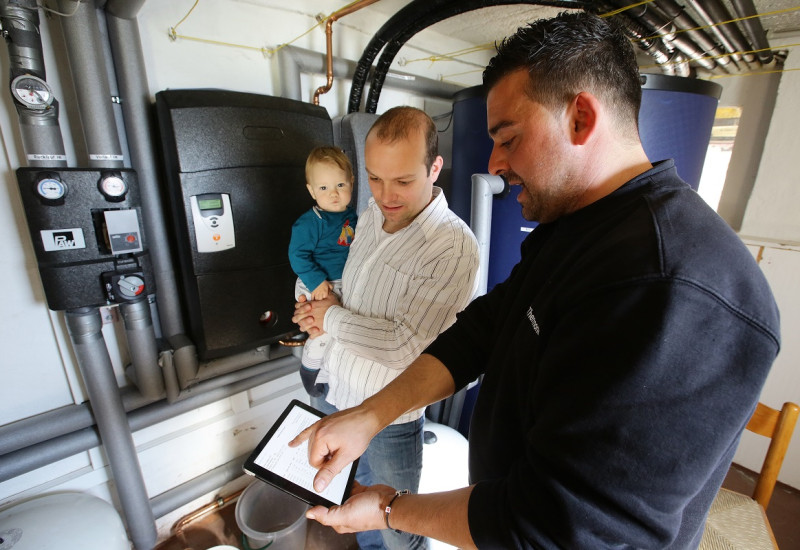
(321, 292)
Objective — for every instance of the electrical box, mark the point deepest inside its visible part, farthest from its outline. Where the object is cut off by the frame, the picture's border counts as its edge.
(235, 172)
(86, 229)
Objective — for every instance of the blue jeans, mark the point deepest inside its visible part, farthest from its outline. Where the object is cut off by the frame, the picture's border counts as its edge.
(393, 458)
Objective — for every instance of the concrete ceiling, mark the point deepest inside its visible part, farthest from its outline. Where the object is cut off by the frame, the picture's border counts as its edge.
(494, 23)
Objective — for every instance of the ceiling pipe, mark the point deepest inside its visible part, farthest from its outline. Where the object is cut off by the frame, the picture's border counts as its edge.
(670, 61)
(746, 11)
(409, 21)
(694, 42)
(329, 43)
(714, 13)
(666, 27)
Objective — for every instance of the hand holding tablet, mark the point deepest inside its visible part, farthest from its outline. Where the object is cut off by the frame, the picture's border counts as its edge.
(287, 468)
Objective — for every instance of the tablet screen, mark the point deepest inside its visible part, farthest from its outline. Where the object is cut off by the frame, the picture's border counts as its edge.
(287, 468)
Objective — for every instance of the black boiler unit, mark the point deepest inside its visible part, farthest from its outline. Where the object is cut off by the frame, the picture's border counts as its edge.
(235, 173)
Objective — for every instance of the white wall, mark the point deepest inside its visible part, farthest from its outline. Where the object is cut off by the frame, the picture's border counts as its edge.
(38, 367)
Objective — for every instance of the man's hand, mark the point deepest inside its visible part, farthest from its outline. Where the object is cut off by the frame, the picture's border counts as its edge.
(336, 441)
(363, 511)
(310, 316)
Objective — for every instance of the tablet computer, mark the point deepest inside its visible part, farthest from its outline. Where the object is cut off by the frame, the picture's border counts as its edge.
(287, 468)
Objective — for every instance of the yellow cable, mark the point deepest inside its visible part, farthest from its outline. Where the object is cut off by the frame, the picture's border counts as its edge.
(188, 13)
(266, 51)
(752, 74)
(620, 10)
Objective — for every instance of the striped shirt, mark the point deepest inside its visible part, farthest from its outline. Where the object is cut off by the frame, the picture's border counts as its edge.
(399, 291)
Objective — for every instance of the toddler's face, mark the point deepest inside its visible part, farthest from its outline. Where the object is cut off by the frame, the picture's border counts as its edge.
(329, 186)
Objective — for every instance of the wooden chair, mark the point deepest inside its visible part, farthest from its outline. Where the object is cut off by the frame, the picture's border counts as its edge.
(736, 521)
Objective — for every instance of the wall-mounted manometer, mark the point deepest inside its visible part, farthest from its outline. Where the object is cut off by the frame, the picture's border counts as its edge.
(32, 92)
(50, 188)
(112, 186)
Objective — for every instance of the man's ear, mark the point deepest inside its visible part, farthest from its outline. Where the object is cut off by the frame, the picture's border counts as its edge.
(584, 112)
(436, 169)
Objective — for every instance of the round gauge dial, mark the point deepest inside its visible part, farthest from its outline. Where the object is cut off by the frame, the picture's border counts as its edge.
(113, 186)
(32, 91)
(51, 189)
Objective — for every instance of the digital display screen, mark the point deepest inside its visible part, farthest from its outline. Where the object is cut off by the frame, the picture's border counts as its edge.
(209, 204)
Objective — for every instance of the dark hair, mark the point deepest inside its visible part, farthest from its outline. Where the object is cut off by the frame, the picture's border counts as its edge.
(401, 122)
(568, 54)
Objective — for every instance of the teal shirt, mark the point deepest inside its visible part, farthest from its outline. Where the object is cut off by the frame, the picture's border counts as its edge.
(320, 243)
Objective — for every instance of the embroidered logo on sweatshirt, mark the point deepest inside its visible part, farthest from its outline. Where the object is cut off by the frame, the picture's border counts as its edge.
(346, 236)
(532, 319)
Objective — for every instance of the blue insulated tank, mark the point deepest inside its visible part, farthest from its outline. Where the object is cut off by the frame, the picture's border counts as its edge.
(675, 121)
(471, 150)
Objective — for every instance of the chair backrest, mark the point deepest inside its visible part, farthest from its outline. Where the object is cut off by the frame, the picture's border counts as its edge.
(778, 425)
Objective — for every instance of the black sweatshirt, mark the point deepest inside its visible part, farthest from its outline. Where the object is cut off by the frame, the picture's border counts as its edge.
(622, 358)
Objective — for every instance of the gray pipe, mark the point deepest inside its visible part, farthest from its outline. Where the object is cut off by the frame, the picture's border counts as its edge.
(124, 9)
(13, 464)
(41, 137)
(713, 12)
(126, 50)
(185, 493)
(484, 187)
(292, 61)
(57, 422)
(698, 46)
(20, 23)
(92, 90)
(753, 29)
(42, 141)
(142, 346)
(84, 327)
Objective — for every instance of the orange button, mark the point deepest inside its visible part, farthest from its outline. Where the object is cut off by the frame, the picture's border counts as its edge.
(217, 236)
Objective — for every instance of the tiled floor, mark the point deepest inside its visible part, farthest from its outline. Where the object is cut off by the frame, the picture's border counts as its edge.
(219, 527)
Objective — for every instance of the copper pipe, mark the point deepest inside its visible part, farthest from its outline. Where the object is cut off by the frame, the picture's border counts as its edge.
(218, 503)
(329, 43)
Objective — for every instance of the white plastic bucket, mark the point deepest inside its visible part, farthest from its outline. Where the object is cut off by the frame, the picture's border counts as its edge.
(270, 518)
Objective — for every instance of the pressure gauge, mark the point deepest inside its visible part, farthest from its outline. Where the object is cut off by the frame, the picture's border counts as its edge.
(51, 189)
(32, 92)
(113, 186)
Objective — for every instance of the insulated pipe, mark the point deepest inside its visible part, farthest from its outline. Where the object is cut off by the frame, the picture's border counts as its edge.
(126, 49)
(404, 28)
(347, 10)
(16, 463)
(377, 42)
(670, 61)
(92, 89)
(293, 60)
(746, 11)
(41, 135)
(124, 9)
(20, 26)
(698, 46)
(484, 187)
(203, 484)
(713, 12)
(142, 346)
(84, 327)
(641, 26)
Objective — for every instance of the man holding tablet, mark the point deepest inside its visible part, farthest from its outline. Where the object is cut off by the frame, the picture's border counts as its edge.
(622, 357)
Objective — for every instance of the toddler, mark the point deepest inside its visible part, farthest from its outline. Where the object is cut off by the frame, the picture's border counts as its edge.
(320, 242)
